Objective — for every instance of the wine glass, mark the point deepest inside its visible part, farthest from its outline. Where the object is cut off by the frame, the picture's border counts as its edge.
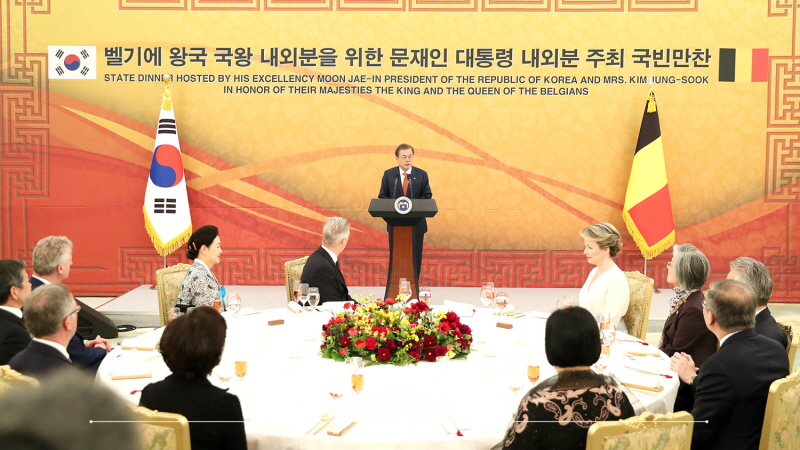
(218, 301)
(608, 335)
(174, 313)
(241, 369)
(515, 381)
(336, 387)
(533, 373)
(224, 373)
(303, 294)
(501, 300)
(487, 293)
(405, 290)
(296, 290)
(425, 294)
(234, 303)
(313, 297)
(356, 377)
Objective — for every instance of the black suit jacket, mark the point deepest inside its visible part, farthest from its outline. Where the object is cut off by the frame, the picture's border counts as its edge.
(686, 331)
(420, 188)
(731, 391)
(320, 271)
(38, 359)
(13, 336)
(198, 399)
(89, 358)
(766, 325)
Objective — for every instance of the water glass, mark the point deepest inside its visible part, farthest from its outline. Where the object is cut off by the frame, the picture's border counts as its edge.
(234, 303)
(303, 294)
(313, 297)
(501, 300)
(425, 294)
(487, 293)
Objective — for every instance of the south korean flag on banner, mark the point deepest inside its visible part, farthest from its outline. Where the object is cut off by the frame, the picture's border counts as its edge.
(71, 62)
(166, 206)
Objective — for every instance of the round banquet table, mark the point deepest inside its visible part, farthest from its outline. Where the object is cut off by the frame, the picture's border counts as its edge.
(285, 391)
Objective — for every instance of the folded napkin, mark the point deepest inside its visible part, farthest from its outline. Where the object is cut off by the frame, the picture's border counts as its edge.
(131, 373)
(640, 380)
(462, 309)
(294, 307)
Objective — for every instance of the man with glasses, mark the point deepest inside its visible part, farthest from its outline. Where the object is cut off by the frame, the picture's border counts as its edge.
(755, 275)
(732, 385)
(51, 317)
(52, 261)
(411, 182)
(14, 289)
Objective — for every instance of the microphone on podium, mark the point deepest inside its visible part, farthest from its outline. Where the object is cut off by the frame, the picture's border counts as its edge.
(394, 189)
(409, 185)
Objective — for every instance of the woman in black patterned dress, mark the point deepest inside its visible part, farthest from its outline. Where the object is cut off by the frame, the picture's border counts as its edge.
(200, 287)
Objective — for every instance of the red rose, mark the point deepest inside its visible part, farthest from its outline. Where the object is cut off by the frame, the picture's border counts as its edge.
(465, 329)
(389, 302)
(342, 351)
(344, 341)
(429, 341)
(452, 317)
(391, 344)
(352, 332)
(416, 355)
(444, 328)
(384, 354)
(407, 309)
(430, 354)
(441, 350)
(371, 343)
(348, 305)
(361, 344)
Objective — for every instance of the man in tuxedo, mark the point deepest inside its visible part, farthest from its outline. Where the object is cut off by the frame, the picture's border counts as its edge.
(732, 385)
(51, 316)
(52, 261)
(411, 182)
(322, 268)
(14, 289)
(754, 274)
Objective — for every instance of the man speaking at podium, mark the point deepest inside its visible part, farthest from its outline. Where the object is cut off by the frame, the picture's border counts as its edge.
(411, 182)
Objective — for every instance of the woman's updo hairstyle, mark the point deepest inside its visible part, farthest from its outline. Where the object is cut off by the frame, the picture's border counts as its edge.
(605, 235)
(204, 235)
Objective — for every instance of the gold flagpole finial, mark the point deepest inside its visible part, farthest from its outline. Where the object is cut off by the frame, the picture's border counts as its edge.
(651, 101)
(166, 97)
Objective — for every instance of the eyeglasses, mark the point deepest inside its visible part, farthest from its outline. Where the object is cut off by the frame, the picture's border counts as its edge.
(77, 308)
(407, 157)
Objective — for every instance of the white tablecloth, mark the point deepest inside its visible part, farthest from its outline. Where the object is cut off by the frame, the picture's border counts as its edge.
(285, 391)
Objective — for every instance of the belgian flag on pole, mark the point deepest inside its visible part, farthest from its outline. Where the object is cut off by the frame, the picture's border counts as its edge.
(648, 210)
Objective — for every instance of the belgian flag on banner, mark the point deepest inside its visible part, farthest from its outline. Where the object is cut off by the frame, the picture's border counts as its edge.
(648, 210)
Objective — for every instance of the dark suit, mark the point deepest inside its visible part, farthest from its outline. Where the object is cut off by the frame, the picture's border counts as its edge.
(38, 359)
(767, 326)
(13, 336)
(686, 331)
(419, 187)
(82, 356)
(731, 391)
(320, 271)
(198, 399)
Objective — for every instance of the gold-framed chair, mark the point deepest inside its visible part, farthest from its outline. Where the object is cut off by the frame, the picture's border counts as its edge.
(168, 285)
(647, 431)
(10, 378)
(293, 269)
(782, 415)
(162, 430)
(638, 313)
(794, 342)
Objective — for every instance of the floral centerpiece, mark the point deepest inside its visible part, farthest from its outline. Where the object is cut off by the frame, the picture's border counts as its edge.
(388, 332)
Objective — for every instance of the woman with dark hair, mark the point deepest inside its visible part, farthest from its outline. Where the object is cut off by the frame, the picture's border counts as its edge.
(192, 346)
(200, 287)
(606, 289)
(557, 413)
(685, 329)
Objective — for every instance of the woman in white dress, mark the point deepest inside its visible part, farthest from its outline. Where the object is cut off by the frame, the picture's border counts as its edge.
(200, 287)
(606, 290)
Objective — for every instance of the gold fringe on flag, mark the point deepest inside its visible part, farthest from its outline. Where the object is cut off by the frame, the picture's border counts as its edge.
(162, 248)
(647, 251)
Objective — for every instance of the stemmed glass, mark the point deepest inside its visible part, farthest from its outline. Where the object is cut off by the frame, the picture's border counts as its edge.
(240, 368)
(487, 293)
(224, 373)
(356, 377)
(425, 294)
(296, 290)
(174, 313)
(234, 303)
(533, 373)
(303, 294)
(313, 297)
(501, 300)
(405, 289)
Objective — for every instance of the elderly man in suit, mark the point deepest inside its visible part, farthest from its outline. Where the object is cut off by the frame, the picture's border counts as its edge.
(754, 274)
(411, 182)
(14, 289)
(322, 268)
(51, 316)
(52, 261)
(732, 385)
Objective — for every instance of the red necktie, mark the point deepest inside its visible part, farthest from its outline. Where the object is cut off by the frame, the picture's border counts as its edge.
(405, 183)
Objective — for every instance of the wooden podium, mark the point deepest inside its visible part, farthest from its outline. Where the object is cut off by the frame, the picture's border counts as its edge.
(401, 244)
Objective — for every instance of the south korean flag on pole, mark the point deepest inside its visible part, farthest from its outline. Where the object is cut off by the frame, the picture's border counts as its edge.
(166, 205)
(71, 62)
